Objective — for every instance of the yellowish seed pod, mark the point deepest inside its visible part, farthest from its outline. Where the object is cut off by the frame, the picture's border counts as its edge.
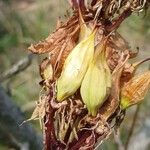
(75, 68)
(93, 88)
(135, 90)
(96, 81)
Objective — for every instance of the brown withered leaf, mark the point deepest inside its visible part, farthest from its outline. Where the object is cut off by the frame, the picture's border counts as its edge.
(112, 103)
(58, 57)
(133, 54)
(115, 46)
(113, 56)
(129, 70)
(59, 44)
(127, 73)
(136, 89)
(39, 112)
(54, 40)
(118, 42)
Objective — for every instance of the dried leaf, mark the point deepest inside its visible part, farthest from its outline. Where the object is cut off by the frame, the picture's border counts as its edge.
(118, 42)
(58, 56)
(133, 54)
(54, 40)
(112, 102)
(39, 112)
(129, 70)
(127, 73)
(116, 45)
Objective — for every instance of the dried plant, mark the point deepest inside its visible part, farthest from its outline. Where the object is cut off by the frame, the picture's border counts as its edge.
(87, 79)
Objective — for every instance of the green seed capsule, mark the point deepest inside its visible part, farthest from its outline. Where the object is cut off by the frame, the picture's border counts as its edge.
(96, 81)
(75, 68)
(93, 88)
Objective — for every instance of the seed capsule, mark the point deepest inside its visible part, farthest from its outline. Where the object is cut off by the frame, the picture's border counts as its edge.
(135, 90)
(75, 68)
(96, 81)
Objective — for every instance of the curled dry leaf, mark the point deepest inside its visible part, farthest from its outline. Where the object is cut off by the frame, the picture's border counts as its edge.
(129, 70)
(127, 73)
(39, 112)
(118, 42)
(58, 56)
(133, 54)
(66, 121)
(112, 102)
(116, 45)
(59, 44)
(54, 40)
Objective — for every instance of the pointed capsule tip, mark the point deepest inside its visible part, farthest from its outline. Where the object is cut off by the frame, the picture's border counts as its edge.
(61, 96)
(124, 104)
(94, 113)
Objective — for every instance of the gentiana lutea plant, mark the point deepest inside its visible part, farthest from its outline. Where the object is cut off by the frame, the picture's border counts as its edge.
(87, 79)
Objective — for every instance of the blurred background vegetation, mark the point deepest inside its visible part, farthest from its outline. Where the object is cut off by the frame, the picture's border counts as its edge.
(23, 22)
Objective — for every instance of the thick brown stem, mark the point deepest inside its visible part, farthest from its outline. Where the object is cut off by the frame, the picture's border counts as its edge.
(116, 23)
(78, 3)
